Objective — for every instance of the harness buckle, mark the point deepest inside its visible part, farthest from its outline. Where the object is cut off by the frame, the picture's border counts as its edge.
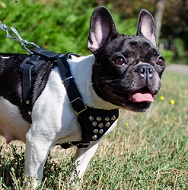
(78, 105)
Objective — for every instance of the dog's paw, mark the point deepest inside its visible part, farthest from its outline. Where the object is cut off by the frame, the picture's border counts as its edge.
(75, 182)
(31, 183)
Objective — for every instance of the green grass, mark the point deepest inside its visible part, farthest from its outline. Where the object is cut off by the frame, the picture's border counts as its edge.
(146, 151)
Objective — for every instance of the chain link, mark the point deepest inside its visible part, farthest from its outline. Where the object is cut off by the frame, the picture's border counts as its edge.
(18, 38)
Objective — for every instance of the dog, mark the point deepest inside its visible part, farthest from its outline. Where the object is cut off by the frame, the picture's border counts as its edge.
(123, 72)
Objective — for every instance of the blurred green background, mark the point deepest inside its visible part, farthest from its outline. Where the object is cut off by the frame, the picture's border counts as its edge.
(63, 25)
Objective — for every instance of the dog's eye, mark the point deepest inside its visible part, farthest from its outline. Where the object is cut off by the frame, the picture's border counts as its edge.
(119, 61)
(160, 61)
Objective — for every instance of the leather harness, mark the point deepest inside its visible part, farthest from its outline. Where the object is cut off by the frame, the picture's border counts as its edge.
(94, 122)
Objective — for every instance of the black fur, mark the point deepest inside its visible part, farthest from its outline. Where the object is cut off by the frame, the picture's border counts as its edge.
(10, 81)
(120, 61)
(108, 75)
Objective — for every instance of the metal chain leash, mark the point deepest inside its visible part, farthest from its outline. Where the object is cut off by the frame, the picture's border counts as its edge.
(18, 38)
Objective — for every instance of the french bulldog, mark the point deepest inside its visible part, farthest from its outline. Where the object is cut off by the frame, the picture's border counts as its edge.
(123, 72)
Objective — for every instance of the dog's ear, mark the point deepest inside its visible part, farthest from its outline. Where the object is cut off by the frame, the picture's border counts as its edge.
(102, 29)
(146, 26)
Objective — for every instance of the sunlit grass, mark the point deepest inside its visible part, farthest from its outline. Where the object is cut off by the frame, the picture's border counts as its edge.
(146, 151)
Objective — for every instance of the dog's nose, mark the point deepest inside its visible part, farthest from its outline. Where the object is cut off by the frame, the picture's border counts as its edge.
(145, 71)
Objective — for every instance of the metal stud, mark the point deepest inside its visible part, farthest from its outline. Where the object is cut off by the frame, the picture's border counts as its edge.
(107, 118)
(101, 125)
(94, 137)
(101, 131)
(98, 118)
(91, 118)
(94, 123)
(108, 124)
(113, 118)
(95, 131)
(27, 102)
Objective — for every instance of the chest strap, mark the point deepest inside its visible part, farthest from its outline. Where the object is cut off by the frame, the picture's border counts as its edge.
(94, 122)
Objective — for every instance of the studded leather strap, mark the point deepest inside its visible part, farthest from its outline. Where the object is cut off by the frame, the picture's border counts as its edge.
(95, 123)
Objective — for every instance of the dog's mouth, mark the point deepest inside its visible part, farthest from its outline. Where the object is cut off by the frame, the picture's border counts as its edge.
(142, 95)
(139, 100)
(138, 96)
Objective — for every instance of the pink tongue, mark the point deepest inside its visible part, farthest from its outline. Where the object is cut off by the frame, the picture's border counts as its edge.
(142, 97)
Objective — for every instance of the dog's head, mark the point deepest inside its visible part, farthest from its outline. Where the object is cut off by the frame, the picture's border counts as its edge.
(127, 69)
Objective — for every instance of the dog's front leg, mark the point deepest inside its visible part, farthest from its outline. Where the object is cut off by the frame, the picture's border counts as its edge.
(82, 159)
(37, 149)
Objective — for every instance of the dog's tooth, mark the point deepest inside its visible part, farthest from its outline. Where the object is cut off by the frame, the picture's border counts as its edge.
(98, 118)
(95, 131)
(94, 137)
(101, 131)
(113, 118)
(107, 118)
(91, 118)
(101, 125)
(94, 123)
(107, 124)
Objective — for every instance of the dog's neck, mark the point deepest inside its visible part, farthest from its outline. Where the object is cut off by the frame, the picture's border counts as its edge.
(84, 66)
